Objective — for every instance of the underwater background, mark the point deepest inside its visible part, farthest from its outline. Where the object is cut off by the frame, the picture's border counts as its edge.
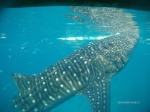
(32, 39)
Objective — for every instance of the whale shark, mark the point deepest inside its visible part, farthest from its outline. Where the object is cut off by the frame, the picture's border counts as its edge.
(87, 71)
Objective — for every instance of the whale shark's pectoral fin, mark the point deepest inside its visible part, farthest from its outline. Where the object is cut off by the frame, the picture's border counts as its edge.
(97, 93)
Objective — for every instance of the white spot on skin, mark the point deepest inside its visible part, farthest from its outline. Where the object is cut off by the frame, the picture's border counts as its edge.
(103, 84)
(43, 82)
(16, 106)
(41, 77)
(55, 72)
(61, 85)
(85, 62)
(69, 66)
(23, 110)
(74, 60)
(70, 82)
(74, 75)
(68, 91)
(46, 104)
(88, 91)
(35, 110)
(79, 83)
(45, 89)
(80, 70)
(28, 88)
(28, 82)
(80, 57)
(51, 98)
(30, 94)
(51, 83)
(86, 78)
(74, 88)
(89, 59)
(59, 96)
(33, 101)
(57, 79)
(64, 72)
(88, 70)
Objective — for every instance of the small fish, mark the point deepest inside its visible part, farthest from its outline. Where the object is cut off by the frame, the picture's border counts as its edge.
(9, 56)
(6, 88)
(1, 71)
(3, 36)
(24, 47)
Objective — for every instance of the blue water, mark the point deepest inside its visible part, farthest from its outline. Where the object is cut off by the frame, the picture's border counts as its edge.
(29, 43)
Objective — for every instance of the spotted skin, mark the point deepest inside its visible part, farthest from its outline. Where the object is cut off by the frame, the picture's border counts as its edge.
(86, 72)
